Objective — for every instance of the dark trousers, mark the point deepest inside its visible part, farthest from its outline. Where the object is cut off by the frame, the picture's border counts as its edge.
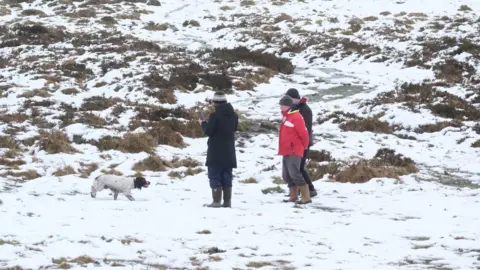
(220, 177)
(304, 172)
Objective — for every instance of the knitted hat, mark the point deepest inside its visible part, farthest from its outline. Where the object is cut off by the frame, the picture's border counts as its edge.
(286, 101)
(219, 97)
(293, 93)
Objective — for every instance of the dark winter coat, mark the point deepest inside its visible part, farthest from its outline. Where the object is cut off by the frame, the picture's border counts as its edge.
(306, 112)
(220, 129)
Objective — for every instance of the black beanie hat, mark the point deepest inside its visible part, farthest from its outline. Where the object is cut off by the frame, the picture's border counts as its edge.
(293, 93)
(286, 101)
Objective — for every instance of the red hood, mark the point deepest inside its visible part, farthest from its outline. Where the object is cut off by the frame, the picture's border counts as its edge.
(303, 100)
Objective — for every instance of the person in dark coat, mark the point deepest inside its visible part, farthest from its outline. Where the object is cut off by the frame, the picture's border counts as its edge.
(221, 157)
(306, 112)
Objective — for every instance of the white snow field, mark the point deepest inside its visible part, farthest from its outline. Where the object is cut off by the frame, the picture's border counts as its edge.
(73, 73)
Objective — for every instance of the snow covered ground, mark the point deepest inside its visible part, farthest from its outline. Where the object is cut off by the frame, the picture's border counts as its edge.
(346, 55)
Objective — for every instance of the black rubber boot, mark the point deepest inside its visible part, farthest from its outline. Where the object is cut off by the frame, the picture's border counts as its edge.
(217, 198)
(227, 197)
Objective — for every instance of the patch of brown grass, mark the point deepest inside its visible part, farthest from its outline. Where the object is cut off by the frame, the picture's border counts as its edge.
(476, 144)
(152, 26)
(128, 240)
(464, 8)
(192, 23)
(185, 162)
(9, 143)
(242, 54)
(319, 156)
(431, 128)
(130, 143)
(33, 12)
(111, 171)
(8, 242)
(87, 169)
(368, 125)
(272, 190)
(363, 171)
(441, 103)
(153, 163)
(453, 71)
(250, 180)
(42, 92)
(98, 103)
(67, 170)
(54, 142)
(385, 164)
(317, 171)
(11, 163)
(259, 264)
(83, 260)
(13, 118)
(92, 120)
(137, 143)
(23, 175)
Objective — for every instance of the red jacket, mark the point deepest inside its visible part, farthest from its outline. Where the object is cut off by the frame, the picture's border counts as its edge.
(293, 138)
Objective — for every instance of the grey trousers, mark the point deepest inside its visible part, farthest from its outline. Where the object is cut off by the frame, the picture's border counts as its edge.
(291, 173)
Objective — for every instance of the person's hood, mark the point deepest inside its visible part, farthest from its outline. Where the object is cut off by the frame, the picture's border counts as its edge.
(225, 109)
(293, 109)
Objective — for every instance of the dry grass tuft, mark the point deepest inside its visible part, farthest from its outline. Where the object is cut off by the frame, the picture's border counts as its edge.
(319, 156)
(33, 12)
(42, 92)
(152, 163)
(23, 175)
(272, 190)
(137, 143)
(151, 26)
(98, 103)
(476, 144)
(128, 240)
(385, 164)
(67, 170)
(431, 128)
(242, 54)
(9, 143)
(250, 180)
(92, 120)
(317, 171)
(368, 125)
(8, 242)
(87, 169)
(11, 163)
(54, 142)
(130, 143)
(111, 171)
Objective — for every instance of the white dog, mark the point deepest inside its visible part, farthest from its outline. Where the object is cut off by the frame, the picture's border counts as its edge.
(118, 184)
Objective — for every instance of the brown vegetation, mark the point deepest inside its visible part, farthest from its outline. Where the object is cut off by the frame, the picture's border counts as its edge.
(54, 142)
(67, 170)
(370, 125)
(87, 169)
(441, 103)
(385, 164)
(129, 143)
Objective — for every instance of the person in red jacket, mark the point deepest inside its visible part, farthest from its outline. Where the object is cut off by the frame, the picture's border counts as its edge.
(293, 140)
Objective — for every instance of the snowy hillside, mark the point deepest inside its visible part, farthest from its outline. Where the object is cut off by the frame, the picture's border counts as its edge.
(115, 86)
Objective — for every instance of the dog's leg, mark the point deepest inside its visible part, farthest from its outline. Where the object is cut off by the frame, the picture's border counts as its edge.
(93, 192)
(130, 197)
(115, 195)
